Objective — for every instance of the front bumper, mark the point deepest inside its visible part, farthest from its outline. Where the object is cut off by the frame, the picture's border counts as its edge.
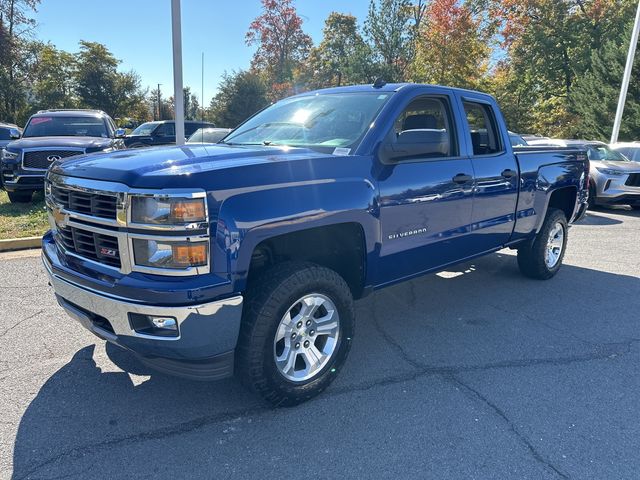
(613, 190)
(207, 333)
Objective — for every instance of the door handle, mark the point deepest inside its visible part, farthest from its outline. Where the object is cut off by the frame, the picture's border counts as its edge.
(462, 178)
(508, 173)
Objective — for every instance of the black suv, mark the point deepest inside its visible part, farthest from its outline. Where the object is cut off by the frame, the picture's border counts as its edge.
(52, 135)
(8, 133)
(161, 133)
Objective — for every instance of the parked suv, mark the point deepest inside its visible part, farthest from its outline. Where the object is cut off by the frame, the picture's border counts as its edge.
(8, 133)
(160, 133)
(49, 136)
(614, 179)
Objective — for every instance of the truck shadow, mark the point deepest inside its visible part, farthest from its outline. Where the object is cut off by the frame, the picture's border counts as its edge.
(450, 320)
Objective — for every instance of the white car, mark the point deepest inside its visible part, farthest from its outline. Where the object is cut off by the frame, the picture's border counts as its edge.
(615, 180)
(631, 150)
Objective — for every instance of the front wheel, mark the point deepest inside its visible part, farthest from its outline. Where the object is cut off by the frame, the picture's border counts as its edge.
(543, 258)
(296, 332)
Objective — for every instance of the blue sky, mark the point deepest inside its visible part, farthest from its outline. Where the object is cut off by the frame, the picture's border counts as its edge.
(139, 33)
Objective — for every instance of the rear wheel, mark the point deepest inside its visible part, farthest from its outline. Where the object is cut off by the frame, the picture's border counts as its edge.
(20, 196)
(543, 258)
(297, 327)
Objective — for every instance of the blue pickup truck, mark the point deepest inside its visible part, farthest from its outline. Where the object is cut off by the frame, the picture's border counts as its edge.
(246, 256)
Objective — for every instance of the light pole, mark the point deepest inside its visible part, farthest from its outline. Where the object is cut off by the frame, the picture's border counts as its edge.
(178, 94)
(159, 109)
(626, 78)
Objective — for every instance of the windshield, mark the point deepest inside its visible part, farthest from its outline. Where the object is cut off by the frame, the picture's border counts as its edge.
(208, 135)
(604, 153)
(55, 126)
(145, 129)
(320, 122)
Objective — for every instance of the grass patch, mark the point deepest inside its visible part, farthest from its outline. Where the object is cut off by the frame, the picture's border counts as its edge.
(18, 220)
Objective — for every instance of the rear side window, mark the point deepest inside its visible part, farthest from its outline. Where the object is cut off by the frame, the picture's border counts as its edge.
(483, 128)
(5, 134)
(425, 122)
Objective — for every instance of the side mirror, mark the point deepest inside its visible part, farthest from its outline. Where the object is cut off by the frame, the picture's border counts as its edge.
(121, 132)
(14, 134)
(416, 144)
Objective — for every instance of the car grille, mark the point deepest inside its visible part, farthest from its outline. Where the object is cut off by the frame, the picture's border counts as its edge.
(39, 159)
(94, 246)
(96, 204)
(633, 180)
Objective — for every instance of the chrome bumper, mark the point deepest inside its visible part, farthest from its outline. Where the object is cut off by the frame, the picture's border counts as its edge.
(207, 331)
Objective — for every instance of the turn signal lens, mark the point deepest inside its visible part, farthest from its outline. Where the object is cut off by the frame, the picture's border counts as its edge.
(190, 255)
(185, 211)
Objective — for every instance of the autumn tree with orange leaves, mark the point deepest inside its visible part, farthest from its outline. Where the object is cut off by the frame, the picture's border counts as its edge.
(282, 44)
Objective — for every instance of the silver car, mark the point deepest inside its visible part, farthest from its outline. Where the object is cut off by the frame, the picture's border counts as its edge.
(615, 180)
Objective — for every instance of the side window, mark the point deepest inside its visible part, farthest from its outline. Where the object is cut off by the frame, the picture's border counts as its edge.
(169, 129)
(424, 129)
(483, 128)
(189, 128)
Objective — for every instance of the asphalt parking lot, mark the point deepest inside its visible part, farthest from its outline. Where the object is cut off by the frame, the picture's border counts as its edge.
(472, 373)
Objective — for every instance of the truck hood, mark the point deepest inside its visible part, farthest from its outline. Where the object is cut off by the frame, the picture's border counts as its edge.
(53, 142)
(185, 166)
(627, 167)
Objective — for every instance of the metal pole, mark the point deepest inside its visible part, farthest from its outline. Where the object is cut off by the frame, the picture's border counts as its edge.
(178, 94)
(626, 78)
(159, 109)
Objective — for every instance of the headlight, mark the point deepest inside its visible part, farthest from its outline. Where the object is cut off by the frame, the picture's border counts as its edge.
(170, 254)
(7, 155)
(167, 210)
(609, 171)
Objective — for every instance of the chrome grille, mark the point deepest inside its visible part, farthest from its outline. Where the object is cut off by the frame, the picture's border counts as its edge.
(96, 204)
(95, 246)
(39, 159)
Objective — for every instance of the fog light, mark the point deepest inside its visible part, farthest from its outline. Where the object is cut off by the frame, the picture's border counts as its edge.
(152, 325)
(165, 322)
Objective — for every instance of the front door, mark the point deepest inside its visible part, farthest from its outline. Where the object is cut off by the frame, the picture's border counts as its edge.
(425, 197)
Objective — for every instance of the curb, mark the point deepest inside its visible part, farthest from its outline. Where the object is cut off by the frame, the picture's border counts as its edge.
(20, 243)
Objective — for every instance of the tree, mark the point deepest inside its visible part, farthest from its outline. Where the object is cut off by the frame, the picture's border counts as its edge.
(99, 84)
(452, 48)
(342, 57)
(391, 28)
(17, 56)
(52, 80)
(282, 45)
(240, 95)
(594, 98)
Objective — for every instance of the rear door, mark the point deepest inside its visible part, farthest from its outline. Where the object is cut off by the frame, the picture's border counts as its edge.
(496, 174)
(425, 197)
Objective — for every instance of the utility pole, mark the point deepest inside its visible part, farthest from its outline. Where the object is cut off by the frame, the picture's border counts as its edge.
(626, 78)
(178, 93)
(159, 109)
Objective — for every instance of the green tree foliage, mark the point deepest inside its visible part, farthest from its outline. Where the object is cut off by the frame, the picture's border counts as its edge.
(342, 57)
(53, 78)
(99, 84)
(392, 28)
(594, 97)
(240, 95)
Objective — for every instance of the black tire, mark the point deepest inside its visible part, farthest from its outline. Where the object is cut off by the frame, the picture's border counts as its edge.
(20, 196)
(532, 256)
(267, 301)
(591, 203)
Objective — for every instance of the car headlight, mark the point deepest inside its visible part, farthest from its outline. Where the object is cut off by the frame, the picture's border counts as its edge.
(167, 210)
(609, 171)
(170, 254)
(7, 155)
